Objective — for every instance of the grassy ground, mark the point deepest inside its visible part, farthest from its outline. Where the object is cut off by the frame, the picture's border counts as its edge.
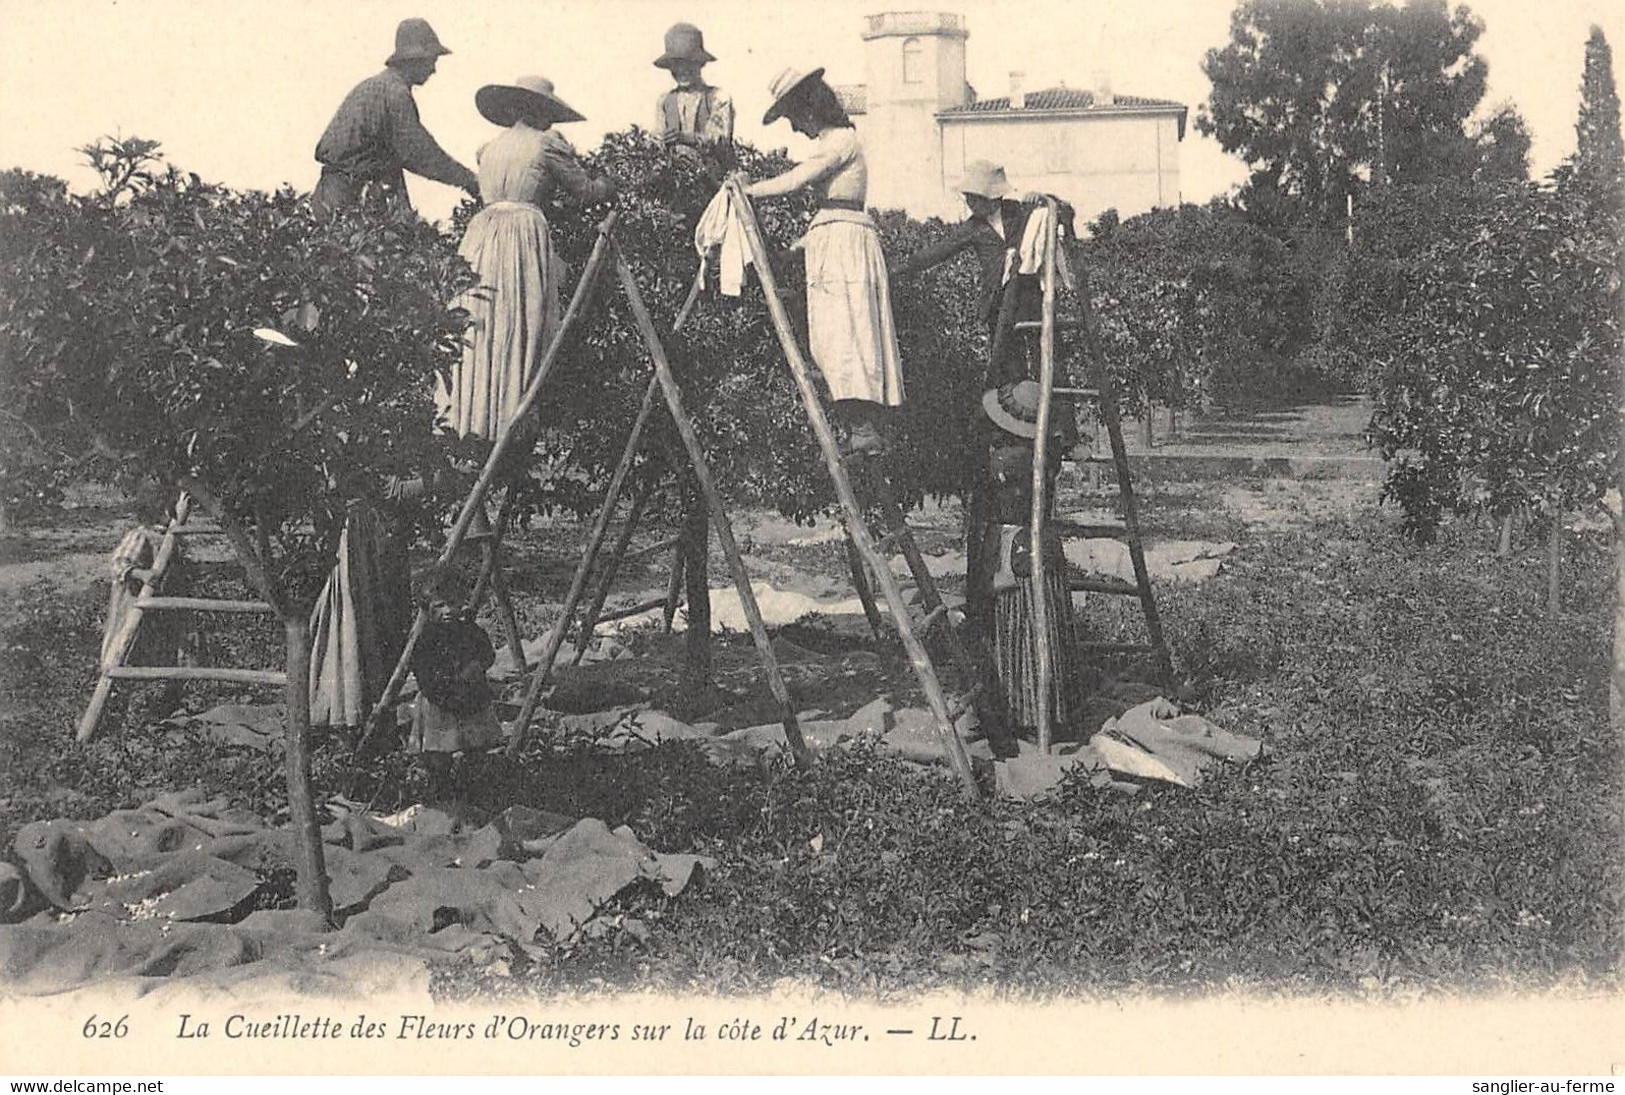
(1438, 805)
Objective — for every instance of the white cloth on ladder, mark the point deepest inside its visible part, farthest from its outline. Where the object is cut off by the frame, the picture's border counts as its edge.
(1035, 247)
(721, 227)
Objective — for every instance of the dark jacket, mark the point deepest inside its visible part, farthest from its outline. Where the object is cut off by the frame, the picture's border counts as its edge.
(977, 235)
(374, 137)
(445, 650)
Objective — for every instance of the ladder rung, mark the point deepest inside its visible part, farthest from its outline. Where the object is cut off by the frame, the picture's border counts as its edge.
(201, 604)
(1075, 393)
(268, 677)
(1038, 324)
(1090, 530)
(1117, 648)
(1116, 586)
(198, 530)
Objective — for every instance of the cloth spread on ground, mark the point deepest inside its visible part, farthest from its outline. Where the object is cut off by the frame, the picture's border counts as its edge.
(720, 227)
(173, 890)
(1152, 742)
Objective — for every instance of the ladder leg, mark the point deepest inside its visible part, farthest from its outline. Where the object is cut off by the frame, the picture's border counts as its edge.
(489, 558)
(674, 590)
(1131, 516)
(589, 553)
(719, 515)
(860, 582)
(964, 647)
(505, 609)
(1045, 667)
(589, 618)
(921, 660)
(695, 541)
(124, 638)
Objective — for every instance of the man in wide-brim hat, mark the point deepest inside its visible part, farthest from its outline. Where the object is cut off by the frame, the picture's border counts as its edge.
(693, 112)
(376, 135)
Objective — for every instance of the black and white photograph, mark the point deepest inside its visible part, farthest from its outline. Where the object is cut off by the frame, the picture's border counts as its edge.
(777, 538)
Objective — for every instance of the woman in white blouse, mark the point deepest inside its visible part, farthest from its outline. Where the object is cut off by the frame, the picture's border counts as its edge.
(849, 318)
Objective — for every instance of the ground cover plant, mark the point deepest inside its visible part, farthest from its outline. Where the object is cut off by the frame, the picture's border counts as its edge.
(1434, 809)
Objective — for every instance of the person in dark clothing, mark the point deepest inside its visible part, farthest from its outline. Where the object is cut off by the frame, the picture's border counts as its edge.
(993, 232)
(455, 712)
(376, 135)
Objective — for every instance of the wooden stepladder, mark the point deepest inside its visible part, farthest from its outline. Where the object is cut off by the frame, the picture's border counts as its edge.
(872, 550)
(662, 384)
(152, 599)
(1104, 395)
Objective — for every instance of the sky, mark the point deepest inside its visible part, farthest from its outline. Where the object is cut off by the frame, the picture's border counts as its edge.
(240, 90)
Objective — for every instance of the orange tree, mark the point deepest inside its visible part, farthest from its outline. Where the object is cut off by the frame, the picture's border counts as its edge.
(127, 330)
(1194, 303)
(1492, 315)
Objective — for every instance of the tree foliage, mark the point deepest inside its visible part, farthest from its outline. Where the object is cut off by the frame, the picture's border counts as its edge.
(1319, 95)
(1493, 317)
(1599, 157)
(1194, 304)
(128, 331)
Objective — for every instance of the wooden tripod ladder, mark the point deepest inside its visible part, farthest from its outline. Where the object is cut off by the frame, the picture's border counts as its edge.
(662, 383)
(1104, 393)
(869, 549)
(152, 599)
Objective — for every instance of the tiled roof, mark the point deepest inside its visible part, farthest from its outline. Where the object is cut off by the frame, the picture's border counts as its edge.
(854, 98)
(1062, 98)
(1067, 99)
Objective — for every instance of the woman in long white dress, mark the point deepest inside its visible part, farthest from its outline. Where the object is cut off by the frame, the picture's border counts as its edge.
(508, 244)
(849, 318)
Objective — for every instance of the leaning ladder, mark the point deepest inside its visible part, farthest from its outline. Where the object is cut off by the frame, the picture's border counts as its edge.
(1104, 394)
(152, 599)
(862, 540)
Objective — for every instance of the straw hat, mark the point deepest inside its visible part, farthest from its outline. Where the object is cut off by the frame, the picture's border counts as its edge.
(984, 179)
(684, 42)
(415, 41)
(529, 98)
(784, 85)
(1014, 409)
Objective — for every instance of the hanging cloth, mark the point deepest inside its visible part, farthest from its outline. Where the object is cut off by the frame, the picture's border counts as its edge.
(721, 227)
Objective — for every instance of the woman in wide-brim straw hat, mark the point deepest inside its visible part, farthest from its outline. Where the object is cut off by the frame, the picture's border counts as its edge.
(510, 248)
(1011, 425)
(849, 317)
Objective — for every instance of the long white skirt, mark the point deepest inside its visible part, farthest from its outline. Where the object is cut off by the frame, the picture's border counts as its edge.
(515, 312)
(849, 320)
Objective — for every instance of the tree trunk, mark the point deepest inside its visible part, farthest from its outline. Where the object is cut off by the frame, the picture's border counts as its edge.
(1148, 437)
(1616, 679)
(307, 832)
(697, 576)
(1173, 424)
(1554, 566)
(1503, 549)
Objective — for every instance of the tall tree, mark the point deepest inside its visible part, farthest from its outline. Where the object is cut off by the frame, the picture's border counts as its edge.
(1599, 157)
(1319, 94)
(1503, 146)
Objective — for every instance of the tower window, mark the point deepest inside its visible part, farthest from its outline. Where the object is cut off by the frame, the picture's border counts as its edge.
(913, 61)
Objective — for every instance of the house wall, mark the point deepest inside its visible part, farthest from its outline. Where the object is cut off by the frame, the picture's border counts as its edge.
(914, 66)
(1126, 162)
